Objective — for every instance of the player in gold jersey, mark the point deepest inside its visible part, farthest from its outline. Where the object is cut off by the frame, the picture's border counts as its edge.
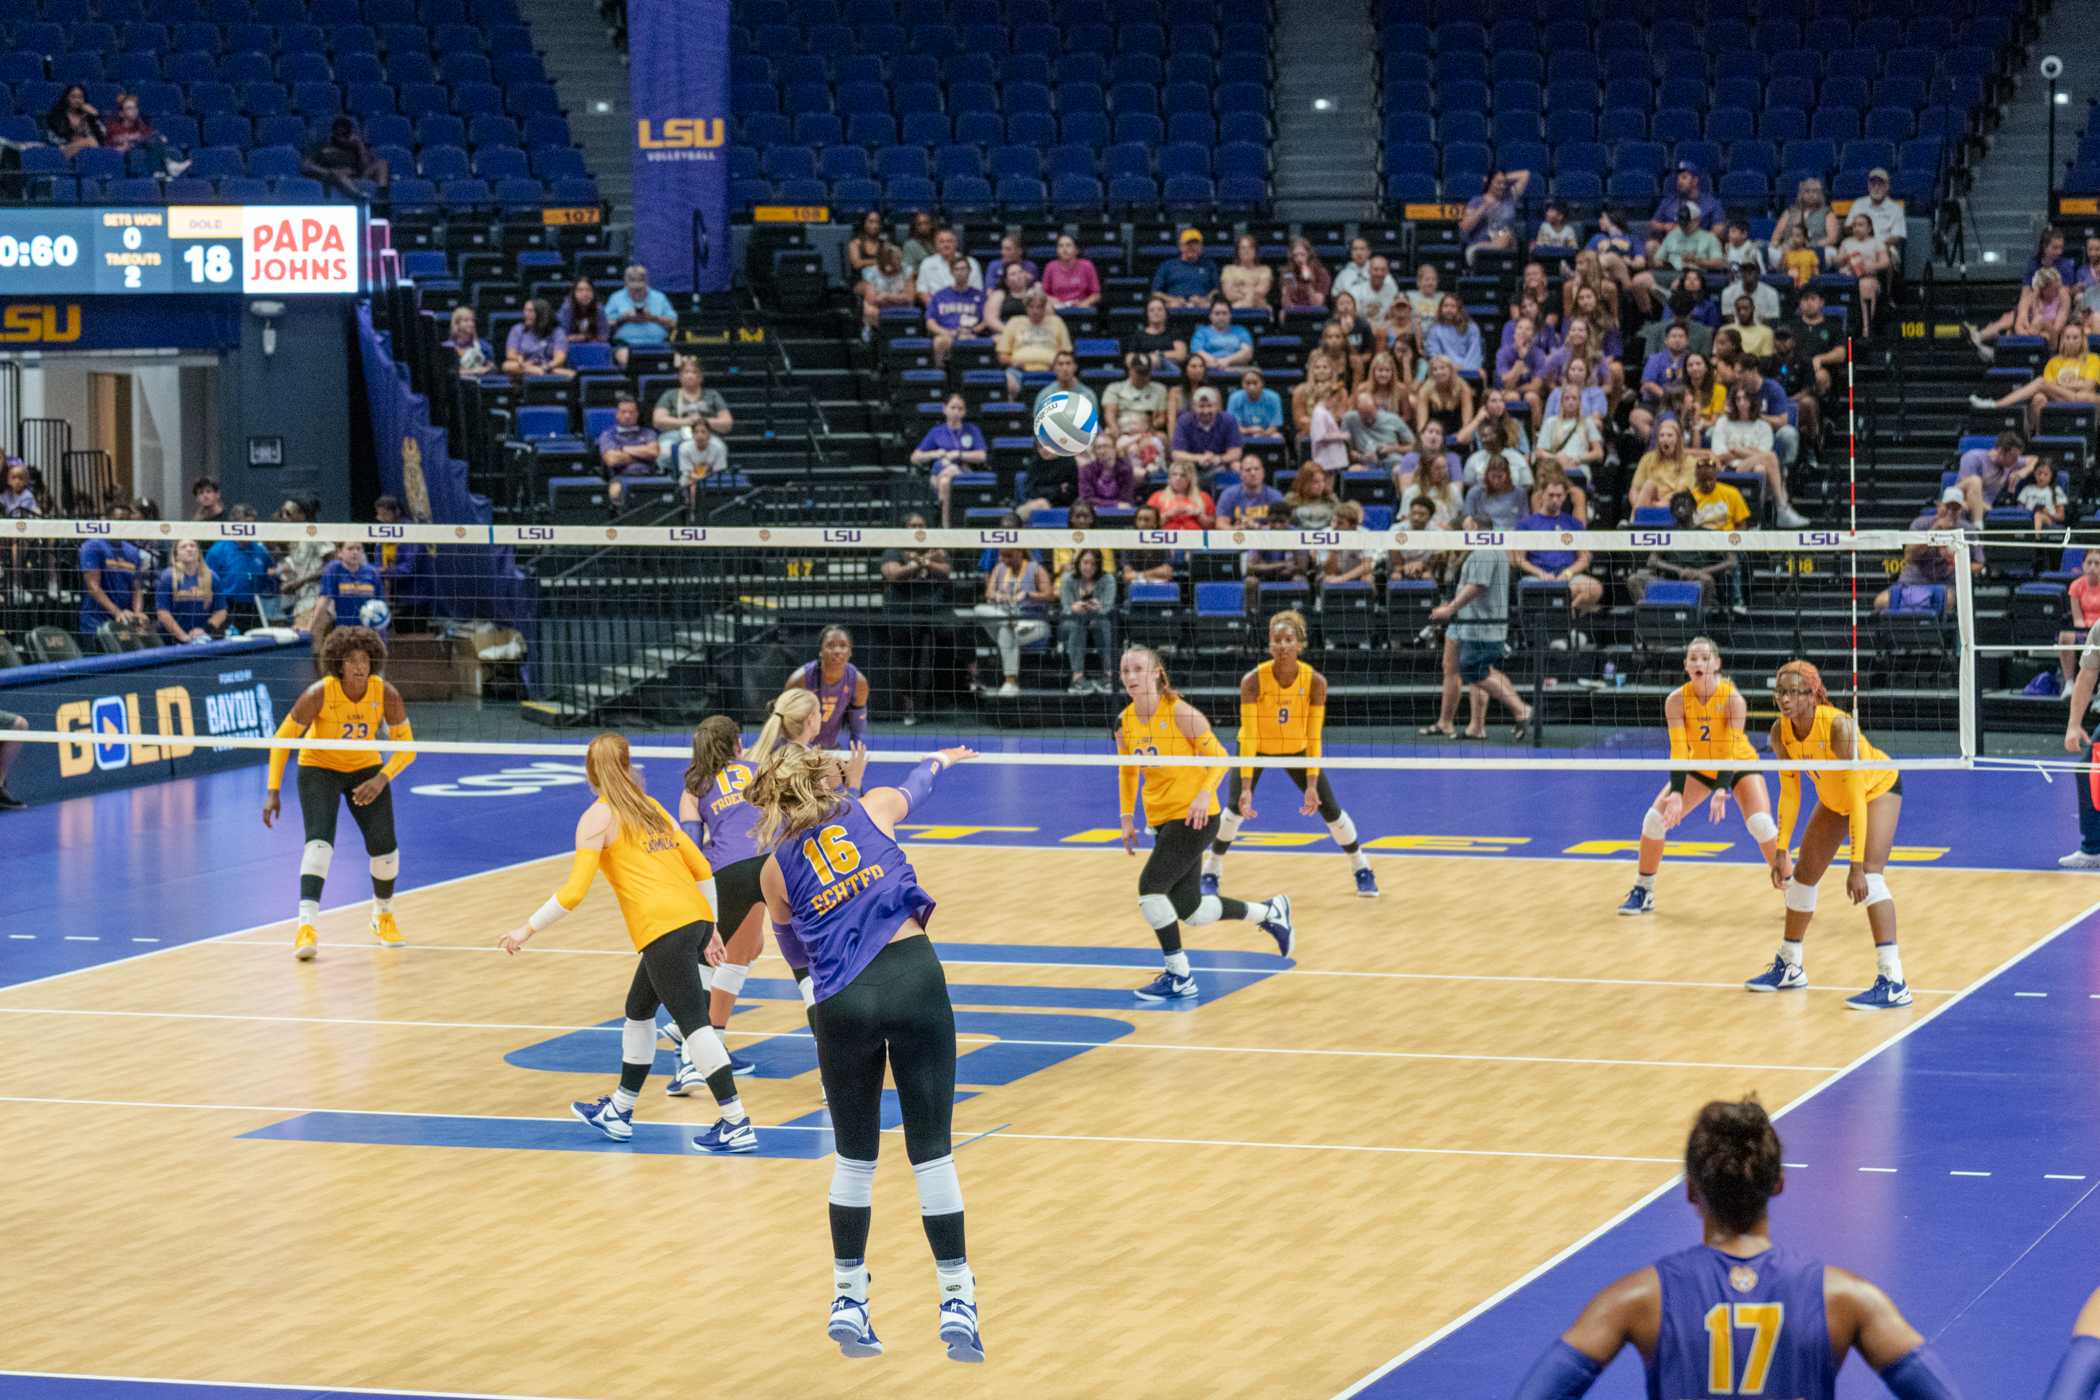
(350, 701)
(1181, 808)
(1283, 712)
(666, 891)
(1860, 803)
(1705, 717)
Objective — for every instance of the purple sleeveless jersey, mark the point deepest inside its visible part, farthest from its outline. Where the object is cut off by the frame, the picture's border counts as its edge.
(1734, 1326)
(729, 824)
(834, 699)
(850, 888)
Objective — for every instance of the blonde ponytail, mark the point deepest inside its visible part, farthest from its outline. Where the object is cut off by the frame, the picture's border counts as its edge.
(784, 720)
(791, 792)
(610, 768)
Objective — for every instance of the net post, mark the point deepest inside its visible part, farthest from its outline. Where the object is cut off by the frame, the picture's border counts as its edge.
(1968, 714)
(1852, 510)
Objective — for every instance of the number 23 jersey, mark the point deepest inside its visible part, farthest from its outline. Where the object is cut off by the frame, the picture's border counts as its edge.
(343, 718)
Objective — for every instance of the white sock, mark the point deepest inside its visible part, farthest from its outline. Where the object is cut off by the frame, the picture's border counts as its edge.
(957, 1282)
(1213, 864)
(1358, 859)
(1643, 882)
(1888, 962)
(383, 906)
(1178, 964)
(309, 910)
(1260, 911)
(1791, 953)
(850, 1280)
(732, 1109)
(625, 1099)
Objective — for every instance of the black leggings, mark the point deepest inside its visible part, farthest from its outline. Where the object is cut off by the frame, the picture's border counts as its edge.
(1175, 867)
(1330, 810)
(736, 893)
(668, 975)
(897, 1009)
(321, 794)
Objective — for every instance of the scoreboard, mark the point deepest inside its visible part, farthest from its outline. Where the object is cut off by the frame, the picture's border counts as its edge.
(151, 250)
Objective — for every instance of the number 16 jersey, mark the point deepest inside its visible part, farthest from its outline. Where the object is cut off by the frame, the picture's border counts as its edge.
(850, 888)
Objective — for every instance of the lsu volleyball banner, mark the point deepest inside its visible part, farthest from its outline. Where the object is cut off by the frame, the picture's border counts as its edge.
(678, 77)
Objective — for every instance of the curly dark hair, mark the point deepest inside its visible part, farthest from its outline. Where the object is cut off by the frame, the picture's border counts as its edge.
(344, 640)
(1732, 1160)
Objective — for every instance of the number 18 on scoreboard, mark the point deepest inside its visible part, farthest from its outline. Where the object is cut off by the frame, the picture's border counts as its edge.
(223, 249)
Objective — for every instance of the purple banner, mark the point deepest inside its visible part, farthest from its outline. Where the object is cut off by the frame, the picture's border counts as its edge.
(678, 75)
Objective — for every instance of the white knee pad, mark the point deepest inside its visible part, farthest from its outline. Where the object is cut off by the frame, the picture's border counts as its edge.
(1229, 826)
(1157, 909)
(1343, 830)
(1762, 827)
(1877, 891)
(1653, 827)
(386, 867)
(729, 977)
(1208, 910)
(703, 1050)
(316, 858)
(852, 1183)
(1799, 897)
(638, 1042)
(940, 1189)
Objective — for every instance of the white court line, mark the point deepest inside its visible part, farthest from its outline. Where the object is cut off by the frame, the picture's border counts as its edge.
(307, 1389)
(1672, 1184)
(2060, 1176)
(1968, 1173)
(994, 1135)
(960, 1039)
(1879, 1171)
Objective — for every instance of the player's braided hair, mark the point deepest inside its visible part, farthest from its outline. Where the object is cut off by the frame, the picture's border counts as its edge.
(1732, 1160)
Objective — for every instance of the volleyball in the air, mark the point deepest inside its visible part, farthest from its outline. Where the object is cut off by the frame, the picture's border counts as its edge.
(375, 614)
(1065, 423)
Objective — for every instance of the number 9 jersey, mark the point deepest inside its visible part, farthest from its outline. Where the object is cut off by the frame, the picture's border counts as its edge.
(341, 717)
(1736, 1326)
(851, 889)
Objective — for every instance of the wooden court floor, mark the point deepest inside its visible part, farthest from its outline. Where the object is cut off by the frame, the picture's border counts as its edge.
(1267, 1196)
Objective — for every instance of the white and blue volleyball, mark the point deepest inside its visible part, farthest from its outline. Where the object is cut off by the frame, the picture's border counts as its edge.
(1065, 423)
(375, 614)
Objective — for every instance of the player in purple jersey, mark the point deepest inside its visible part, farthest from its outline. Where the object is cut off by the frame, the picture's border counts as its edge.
(2078, 1373)
(1736, 1314)
(840, 688)
(837, 880)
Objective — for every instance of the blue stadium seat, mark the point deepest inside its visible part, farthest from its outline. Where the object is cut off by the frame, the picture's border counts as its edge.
(1835, 124)
(747, 192)
(1510, 128)
(1468, 127)
(1846, 90)
(1564, 126)
(1745, 187)
(1760, 158)
(1243, 97)
(1636, 185)
(1629, 90)
(519, 191)
(956, 160)
(438, 163)
(1412, 188)
(909, 192)
(1188, 192)
(789, 163)
(274, 162)
(1184, 159)
(965, 194)
(215, 162)
(1143, 127)
(1583, 185)
(1461, 65)
(1242, 193)
(844, 163)
(1622, 124)
(99, 163)
(1015, 162)
(1522, 155)
(287, 130)
(817, 129)
(1811, 155)
(296, 189)
(493, 163)
(1673, 124)
(856, 194)
(1703, 156)
(1581, 158)
(1076, 194)
(800, 190)
(1033, 129)
(1780, 124)
(1638, 156)
(441, 129)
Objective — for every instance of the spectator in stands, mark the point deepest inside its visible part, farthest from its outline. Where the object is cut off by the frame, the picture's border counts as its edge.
(1665, 470)
(1145, 565)
(1246, 281)
(627, 448)
(1218, 342)
(1453, 337)
(1495, 496)
(1326, 440)
(72, 123)
(2049, 252)
(1555, 234)
(1312, 501)
(1592, 402)
(1320, 386)
(1492, 412)
(1416, 563)
(1587, 274)
(186, 603)
(112, 581)
(1355, 274)
(950, 448)
(1624, 260)
(1663, 376)
(1689, 246)
(1752, 336)
(1569, 566)
(1821, 339)
(406, 571)
(1490, 221)
(1742, 442)
(2044, 496)
(240, 568)
(1570, 436)
(1716, 504)
(1786, 438)
(1984, 474)
(1052, 484)
(1250, 503)
(206, 503)
(1495, 446)
(472, 353)
(347, 583)
(1353, 331)
(1258, 410)
(1070, 280)
(2043, 308)
(128, 130)
(1801, 262)
(640, 316)
(1750, 282)
(1930, 565)
(1475, 643)
(1155, 339)
(1884, 213)
(1576, 501)
(1796, 375)
(1205, 439)
(1377, 437)
(2071, 376)
(1426, 299)
(299, 572)
(342, 159)
(1086, 600)
(1688, 192)
(955, 310)
(2086, 285)
(2084, 599)
(939, 270)
(1133, 409)
(883, 284)
(1195, 378)
(1432, 480)
(1535, 299)
(1445, 398)
(1711, 570)
(1306, 281)
(1107, 480)
(1865, 258)
(1812, 214)
(700, 455)
(1064, 379)
(1400, 338)
(582, 315)
(1015, 611)
(1188, 280)
(919, 239)
(537, 344)
(1518, 369)
(1430, 444)
(1737, 247)
(1343, 565)
(1690, 302)
(1181, 503)
(864, 248)
(1388, 388)
(1010, 255)
(1031, 342)
(687, 403)
(1379, 292)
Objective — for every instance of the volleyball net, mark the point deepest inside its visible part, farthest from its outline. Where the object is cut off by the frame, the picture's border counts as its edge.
(527, 639)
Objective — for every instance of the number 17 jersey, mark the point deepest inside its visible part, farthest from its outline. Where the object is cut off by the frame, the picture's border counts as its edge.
(1733, 1326)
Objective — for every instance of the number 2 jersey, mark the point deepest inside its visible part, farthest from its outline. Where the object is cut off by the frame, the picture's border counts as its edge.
(851, 889)
(1733, 1326)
